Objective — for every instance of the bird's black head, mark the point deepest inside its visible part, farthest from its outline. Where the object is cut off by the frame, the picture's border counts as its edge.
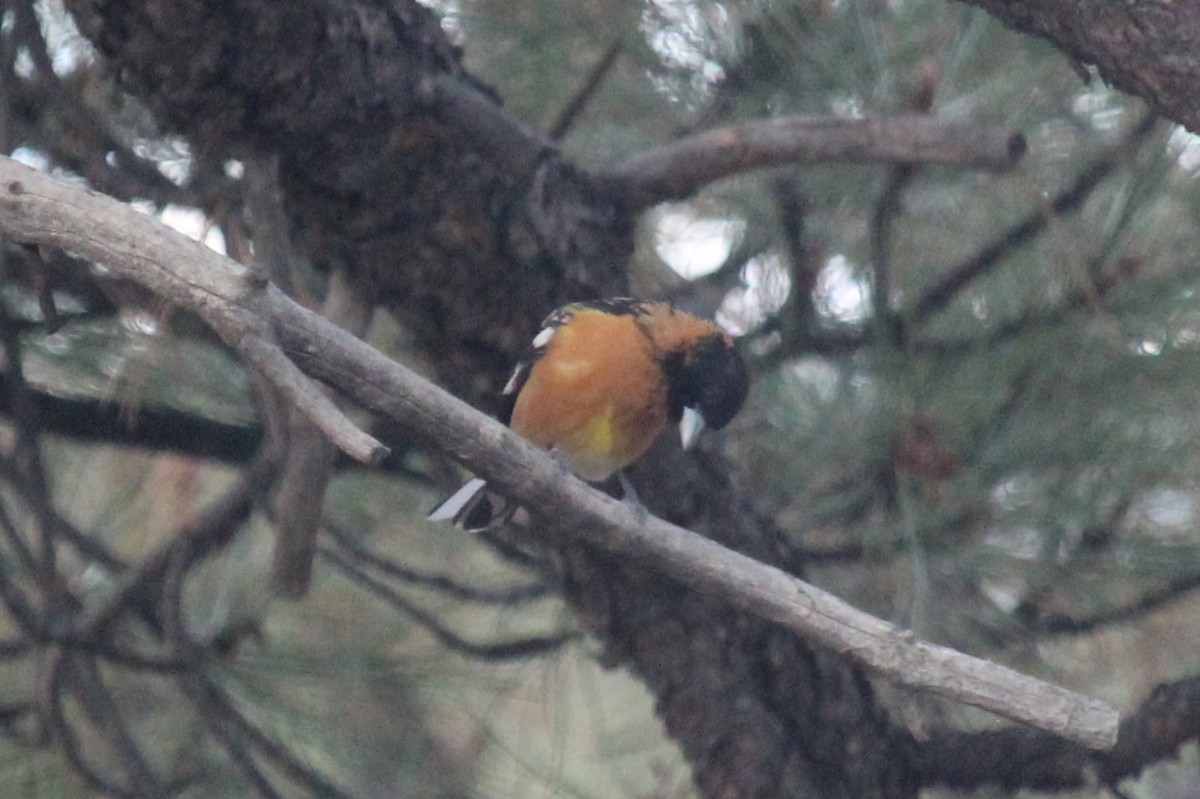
(710, 377)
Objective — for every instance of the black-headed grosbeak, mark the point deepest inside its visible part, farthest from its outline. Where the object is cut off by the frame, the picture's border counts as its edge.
(602, 380)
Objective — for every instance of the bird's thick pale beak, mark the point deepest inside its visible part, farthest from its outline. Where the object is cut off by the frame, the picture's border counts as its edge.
(690, 427)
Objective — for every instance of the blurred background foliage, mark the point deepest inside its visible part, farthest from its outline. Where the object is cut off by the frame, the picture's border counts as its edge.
(1011, 471)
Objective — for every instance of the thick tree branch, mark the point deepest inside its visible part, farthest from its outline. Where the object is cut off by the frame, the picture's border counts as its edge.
(510, 145)
(1144, 47)
(1167, 720)
(37, 209)
(678, 170)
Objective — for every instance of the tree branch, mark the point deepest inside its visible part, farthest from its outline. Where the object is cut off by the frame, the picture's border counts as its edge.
(505, 141)
(1064, 624)
(528, 475)
(515, 649)
(153, 427)
(157, 428)
(566, 118)
(1167, 720)
(38, 209)
(54, 213)
(357, 553)
(677, 170)
(92, 143)
(1068, 200)
(311, 458)
(1144, 47)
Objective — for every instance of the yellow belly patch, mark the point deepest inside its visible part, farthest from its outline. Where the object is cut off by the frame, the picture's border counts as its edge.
(597, 438)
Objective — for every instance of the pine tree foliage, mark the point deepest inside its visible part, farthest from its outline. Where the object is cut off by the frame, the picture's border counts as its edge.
(975, 413)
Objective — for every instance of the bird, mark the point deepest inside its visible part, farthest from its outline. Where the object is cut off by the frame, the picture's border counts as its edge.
(601, 381)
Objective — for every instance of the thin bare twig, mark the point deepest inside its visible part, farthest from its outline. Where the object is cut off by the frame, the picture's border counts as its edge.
(50, 700)
(223, 718)
(438, 582)
(97, 696)
(267, 359)
(512, 553)
(572, 110)
(1066, 201)
(128, 175)
(891, 326)
(27, 455)
(238, 752)
(17, 541)
(37, 629)
(86, 545)
(497, 650)
(1063, 624)
(211, 529)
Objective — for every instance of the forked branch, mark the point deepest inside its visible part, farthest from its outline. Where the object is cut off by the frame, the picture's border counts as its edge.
(38, 209)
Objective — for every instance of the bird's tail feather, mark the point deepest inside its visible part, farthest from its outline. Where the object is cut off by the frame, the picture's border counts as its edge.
(473, 507)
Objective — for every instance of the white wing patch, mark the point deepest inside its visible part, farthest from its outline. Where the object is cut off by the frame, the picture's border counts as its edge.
(518, 377)
(543, 337)
(540, 342)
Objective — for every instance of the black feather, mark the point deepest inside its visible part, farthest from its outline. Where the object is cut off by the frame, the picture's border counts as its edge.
(710, 377)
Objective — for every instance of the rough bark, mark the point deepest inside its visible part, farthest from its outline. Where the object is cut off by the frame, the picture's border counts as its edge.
(468, 250)
(1146, 47)
(758, 712)
(373, 178)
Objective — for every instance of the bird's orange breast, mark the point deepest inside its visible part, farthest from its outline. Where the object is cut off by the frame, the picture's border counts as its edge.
(596, 395)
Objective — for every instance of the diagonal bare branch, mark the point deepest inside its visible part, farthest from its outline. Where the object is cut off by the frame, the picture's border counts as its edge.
(58, 216)
(177, 269)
